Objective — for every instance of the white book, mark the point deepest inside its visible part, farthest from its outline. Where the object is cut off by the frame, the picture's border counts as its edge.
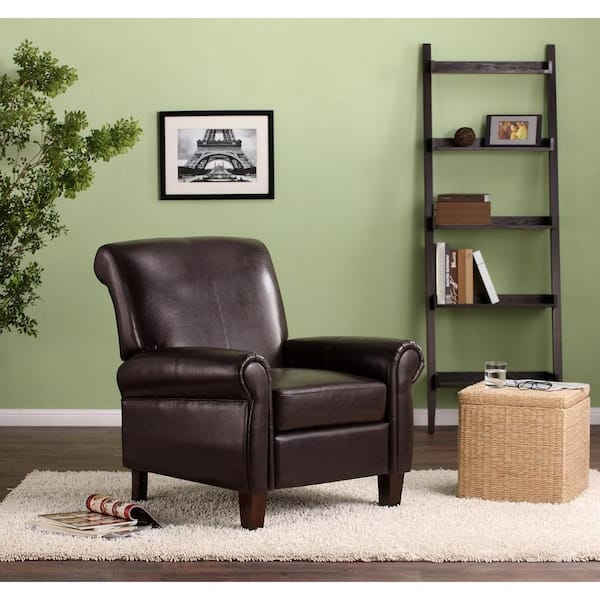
(440, 272)
(485, 277)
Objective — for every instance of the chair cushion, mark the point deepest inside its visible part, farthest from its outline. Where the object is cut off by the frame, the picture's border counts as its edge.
(306, 398)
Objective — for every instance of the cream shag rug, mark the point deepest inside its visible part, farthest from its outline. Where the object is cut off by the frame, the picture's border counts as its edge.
(329, 522)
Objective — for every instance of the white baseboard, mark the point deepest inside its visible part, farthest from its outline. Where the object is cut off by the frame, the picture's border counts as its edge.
(443, 416)
(33, 417)
(59, 417)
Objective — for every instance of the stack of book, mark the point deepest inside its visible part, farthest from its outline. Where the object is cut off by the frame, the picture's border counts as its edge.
(104, 517)
(463, 209)
(455, 268)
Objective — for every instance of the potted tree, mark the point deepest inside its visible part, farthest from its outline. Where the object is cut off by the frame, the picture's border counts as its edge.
(42, 158)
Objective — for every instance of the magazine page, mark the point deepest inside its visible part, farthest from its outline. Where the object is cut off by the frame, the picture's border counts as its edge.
(119, 508)
(124, 529)
(83, 520)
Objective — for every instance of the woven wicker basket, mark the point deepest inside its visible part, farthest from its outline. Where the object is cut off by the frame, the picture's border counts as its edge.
(523, 445)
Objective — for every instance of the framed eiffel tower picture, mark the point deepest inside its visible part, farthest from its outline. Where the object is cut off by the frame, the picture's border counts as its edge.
(213, 155)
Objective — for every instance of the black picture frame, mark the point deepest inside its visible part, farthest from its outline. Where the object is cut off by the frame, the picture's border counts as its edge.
(513, 130)
(214, 155)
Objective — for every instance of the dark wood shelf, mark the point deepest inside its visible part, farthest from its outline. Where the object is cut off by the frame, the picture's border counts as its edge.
(506, 301)
(505, 222)
(546, 149)
(492, 67)
(449, 145)
(451, 379)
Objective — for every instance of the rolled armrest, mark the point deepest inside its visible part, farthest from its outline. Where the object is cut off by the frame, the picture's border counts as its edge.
(398, 363)
(214, 373)
(376, 358)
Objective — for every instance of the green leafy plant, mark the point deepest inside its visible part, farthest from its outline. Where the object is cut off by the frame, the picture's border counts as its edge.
(42, 159)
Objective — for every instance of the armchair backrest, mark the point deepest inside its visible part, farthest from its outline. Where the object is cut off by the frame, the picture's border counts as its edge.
(217, 292)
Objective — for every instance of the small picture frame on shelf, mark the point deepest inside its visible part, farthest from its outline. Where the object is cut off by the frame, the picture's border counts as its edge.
(513, 130)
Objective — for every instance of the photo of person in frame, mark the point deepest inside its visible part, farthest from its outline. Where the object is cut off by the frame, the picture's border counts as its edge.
(513, 130)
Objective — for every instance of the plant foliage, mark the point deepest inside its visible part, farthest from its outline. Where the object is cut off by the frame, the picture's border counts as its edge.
(42, 159)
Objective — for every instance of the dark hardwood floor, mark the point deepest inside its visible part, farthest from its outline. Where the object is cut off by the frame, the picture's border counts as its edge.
(25, 449)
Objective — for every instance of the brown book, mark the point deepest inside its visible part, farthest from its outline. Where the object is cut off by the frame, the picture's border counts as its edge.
(463, 197)
(463, 213)
(465, 276)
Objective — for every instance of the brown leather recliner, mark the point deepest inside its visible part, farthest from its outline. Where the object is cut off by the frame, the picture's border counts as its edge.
(213, 390)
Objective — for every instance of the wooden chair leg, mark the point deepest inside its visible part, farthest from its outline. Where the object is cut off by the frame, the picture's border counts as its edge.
(252, 510)
(390, 488)
(139, 485)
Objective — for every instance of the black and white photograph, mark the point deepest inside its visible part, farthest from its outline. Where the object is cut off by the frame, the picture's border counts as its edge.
(216, 155)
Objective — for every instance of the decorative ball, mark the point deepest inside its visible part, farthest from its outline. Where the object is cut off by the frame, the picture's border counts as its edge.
(464, 136)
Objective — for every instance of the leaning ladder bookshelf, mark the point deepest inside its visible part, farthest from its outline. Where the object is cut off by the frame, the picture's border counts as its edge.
(549, 222)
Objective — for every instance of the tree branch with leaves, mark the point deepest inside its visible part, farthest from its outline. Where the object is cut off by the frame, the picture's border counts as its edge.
(42, 159)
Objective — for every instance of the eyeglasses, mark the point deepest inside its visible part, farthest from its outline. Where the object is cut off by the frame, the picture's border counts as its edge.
(534, 385)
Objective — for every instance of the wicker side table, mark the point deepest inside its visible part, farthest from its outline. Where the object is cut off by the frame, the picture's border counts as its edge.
(523, 445)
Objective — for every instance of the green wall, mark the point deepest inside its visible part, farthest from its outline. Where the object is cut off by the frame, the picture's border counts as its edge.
(345, 227)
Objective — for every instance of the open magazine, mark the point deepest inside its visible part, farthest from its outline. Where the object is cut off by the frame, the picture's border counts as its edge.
(541, 384)
(104, 517)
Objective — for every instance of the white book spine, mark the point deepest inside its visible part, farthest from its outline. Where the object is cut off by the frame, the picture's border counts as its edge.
(485, 277)
(440, 272)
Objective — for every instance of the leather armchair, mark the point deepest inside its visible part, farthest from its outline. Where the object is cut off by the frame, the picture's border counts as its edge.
(213, 391)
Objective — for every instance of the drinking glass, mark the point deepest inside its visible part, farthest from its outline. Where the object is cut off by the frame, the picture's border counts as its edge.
(495, 373)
